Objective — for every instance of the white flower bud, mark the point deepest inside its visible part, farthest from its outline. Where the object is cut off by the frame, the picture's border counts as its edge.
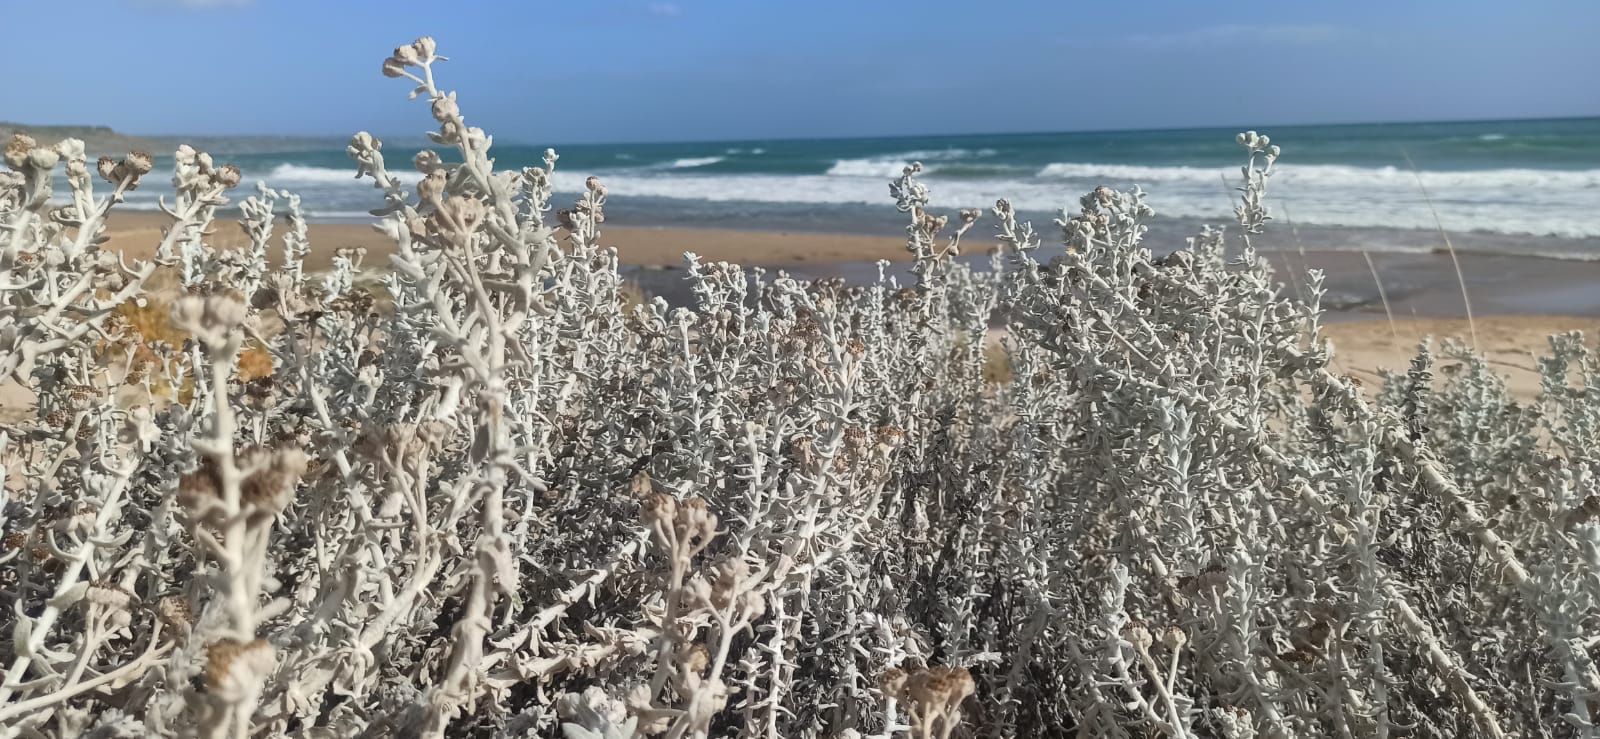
(407, 55)
(43, 159)
(445, 108)
(427, 161)
(70, 149)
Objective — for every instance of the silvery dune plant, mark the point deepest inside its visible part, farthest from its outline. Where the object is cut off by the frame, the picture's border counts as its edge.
(485, 495)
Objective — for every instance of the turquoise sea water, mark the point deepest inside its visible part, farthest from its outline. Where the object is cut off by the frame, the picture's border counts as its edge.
(1510, 178)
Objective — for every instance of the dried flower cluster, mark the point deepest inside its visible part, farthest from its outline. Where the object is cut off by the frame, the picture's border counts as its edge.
(495, 502)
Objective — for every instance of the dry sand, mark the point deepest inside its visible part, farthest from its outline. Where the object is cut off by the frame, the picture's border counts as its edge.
(1512, 344)
(137, 234)
(1520, 301)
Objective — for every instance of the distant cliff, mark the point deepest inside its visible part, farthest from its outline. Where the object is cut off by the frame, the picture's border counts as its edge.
(98, 140)
(103, 141)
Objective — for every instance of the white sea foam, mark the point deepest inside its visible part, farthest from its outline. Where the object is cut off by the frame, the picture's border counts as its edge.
(1333, 175)
(1508, 201)
(692, 162)
(876, 167)
(1464, 204)
(293, 174)
(891, 165)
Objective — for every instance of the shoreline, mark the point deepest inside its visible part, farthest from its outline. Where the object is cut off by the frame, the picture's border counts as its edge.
(1518, 301)
(136, 234)
(1419, 284)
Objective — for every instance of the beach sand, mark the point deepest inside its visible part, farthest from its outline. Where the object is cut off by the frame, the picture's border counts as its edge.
(1518, 301)
(137, 233)
(1511, 344)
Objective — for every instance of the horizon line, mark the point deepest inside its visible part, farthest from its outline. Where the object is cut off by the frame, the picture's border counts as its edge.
(501, 139)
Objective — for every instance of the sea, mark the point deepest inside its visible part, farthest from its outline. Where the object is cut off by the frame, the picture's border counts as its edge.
(1516, 186)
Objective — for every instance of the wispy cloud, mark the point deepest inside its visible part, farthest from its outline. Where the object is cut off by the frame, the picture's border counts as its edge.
(663, 9)
(1219, 35)
(194, 4)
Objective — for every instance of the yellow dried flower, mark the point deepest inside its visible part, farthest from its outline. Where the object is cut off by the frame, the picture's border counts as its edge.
(16, 151)
(231, 665)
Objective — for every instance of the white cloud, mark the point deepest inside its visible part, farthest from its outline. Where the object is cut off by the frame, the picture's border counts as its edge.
(1222, 35)
(664, 9)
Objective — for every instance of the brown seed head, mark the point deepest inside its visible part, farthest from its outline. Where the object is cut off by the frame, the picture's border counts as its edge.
(228, 660)
(138, 163)
(272, 476)
(659, 508)
(893, 683)
(17, 150)
(1138, 634)
(175, 611)
(228, 176)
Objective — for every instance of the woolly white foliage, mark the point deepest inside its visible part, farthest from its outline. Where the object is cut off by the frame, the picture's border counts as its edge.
(509, 506)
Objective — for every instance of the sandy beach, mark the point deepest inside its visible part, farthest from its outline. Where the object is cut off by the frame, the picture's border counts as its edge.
(1418, 284)
(1518, 302)
(137, 233)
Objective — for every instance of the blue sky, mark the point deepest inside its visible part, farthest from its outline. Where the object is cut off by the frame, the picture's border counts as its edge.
(640, 70)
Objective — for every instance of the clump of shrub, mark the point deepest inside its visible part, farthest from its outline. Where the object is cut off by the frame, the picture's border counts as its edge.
(509, 501)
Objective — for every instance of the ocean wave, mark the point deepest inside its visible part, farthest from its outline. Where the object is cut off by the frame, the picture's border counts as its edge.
(1330, 175)
(891, 165)
(292, 174)
(1506, 201)
(944, 155)
(1387, 204)
(692, 162)
(877, 167)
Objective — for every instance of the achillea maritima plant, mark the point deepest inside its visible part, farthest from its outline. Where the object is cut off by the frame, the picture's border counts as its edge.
(518, 504)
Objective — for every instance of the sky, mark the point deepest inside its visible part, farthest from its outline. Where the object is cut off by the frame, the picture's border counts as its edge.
(590, 71)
